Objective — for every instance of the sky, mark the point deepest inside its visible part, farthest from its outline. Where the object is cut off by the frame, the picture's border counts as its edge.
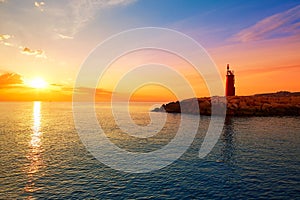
(50, 40)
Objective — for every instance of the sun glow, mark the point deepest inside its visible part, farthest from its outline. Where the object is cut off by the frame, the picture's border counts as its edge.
(38, 83)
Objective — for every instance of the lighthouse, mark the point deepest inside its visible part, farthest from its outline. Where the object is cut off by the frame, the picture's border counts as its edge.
(230, 89)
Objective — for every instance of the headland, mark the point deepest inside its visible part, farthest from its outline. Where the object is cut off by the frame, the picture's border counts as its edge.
(269, 104)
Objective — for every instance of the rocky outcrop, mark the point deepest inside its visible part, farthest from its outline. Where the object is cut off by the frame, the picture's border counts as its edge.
(272, 104)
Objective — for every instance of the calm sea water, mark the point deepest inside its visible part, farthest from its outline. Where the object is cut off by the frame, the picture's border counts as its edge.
(42, 157)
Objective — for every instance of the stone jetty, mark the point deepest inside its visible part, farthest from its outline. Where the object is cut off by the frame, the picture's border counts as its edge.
(270, 104)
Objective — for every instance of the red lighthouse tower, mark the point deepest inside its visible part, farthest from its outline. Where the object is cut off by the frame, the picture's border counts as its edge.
(230, 89)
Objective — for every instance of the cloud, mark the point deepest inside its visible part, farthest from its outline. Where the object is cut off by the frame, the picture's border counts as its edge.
(39, 5)
(8, 44)
(78, 13)
(270, 69)
(119, 2)
(65, 36)
(8, 80)
(87, 90)
(282, 24)
(24, 50)
(56, 85)
(4, 38)
(36, 53)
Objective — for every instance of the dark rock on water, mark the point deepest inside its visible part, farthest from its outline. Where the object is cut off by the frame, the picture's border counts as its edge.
(156, 110)
(271, 104)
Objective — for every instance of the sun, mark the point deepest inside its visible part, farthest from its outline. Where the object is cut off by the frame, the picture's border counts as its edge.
(37, 83)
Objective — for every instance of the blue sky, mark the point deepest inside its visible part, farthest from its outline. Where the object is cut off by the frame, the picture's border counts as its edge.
(215, 20)
(212, 20)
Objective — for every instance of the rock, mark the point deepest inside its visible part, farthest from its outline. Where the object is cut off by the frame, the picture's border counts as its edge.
(279, 104)
(266, 107)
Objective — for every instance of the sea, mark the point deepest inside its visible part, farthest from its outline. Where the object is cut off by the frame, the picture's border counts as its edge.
(43, 157)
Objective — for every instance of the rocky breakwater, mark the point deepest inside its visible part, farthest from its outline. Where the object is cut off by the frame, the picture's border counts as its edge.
(271, 104)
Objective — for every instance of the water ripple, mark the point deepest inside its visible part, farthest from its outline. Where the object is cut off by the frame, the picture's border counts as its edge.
(42, 157)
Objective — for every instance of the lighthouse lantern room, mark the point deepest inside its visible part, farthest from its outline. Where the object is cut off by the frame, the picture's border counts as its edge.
(230, 89)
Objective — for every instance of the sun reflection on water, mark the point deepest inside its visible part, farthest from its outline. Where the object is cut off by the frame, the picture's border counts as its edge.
(35, 150)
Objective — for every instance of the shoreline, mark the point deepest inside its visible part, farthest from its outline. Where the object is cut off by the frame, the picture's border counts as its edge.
(263, 105)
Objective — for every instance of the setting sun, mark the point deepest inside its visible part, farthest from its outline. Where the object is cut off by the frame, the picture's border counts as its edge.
(38, 83)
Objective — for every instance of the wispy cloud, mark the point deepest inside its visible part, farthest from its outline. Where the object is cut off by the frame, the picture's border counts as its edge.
(270, 69)
(8, 80)
(4, 38)
(282, 24)
(86, 90)
(78, 13)
(24, 50)
(65, 36)
(39, 5)
(37, 53)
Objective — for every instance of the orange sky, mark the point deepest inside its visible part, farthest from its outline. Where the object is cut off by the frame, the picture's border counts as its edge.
(267, 66)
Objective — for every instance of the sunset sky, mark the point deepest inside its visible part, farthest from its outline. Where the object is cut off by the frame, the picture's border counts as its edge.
(44, 43)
